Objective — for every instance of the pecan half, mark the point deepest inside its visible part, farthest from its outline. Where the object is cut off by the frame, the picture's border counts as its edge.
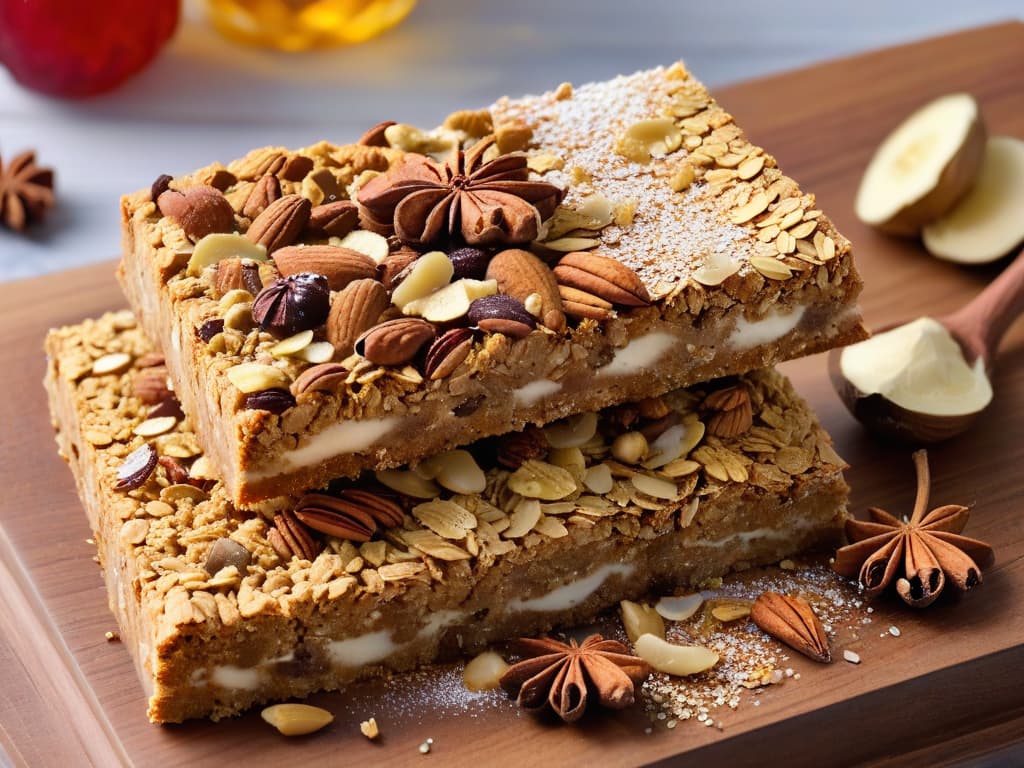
(264, 192)
(290, 538)
(353, 514)
(280, 224)
(602, 277)
(447, 353)
(395, 342)
(581, 304)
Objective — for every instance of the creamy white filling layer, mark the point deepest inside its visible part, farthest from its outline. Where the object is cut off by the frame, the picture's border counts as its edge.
(343, 437)
(639, 354)
(535, 391)
(573, 593)
(771, 327)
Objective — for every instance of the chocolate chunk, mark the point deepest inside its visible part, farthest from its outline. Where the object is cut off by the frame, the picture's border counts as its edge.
(210, 328)
(295, 303)
(161, 185)
(136, 469)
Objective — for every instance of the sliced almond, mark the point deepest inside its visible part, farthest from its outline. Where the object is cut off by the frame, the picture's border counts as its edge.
(640, 619)
(429, 273)
(317, 352)
(744, 213)
(771, 268)
(255, 377)
(292, 344)
(116, 362)
(716, 269)
(366, 242)
(570, 244)
(523, 518)
(654, 486)
(451, 301)
(445, 518)
(679, 608)
(598, 479)
(215, 247)
(154, 427)
(667, 447)
(409, 483)
(677, 660)
(573, 432)
(540, 480)
(457, 471)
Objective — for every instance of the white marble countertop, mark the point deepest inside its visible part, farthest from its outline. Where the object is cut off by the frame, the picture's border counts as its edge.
(207, 99)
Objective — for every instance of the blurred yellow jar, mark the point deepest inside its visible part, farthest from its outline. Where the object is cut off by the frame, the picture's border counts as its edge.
(297, 25)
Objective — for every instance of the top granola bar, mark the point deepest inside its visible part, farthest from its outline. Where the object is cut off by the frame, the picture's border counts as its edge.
(343, 308)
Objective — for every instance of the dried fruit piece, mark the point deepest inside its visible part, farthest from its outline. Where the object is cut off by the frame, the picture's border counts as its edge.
(924, 166)
(501, 314)
(986, 223)
(791, 620)
(296, 719)
(295, 303)
(136, 468)
(276, 400)
(469, 262)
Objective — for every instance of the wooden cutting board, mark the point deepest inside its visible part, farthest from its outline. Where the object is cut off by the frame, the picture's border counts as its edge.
(950, 688)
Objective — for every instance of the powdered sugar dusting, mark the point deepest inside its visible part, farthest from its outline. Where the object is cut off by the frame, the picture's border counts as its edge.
(672, 233)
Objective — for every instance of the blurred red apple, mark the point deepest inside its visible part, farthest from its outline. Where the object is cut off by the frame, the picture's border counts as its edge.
(75, 48)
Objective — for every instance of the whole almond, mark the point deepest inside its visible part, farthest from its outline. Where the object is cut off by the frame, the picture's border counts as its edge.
(354, 311)
(395, 342)
(280, 224)
(603, 277)
(519, 273)
(581, 304)
(395, 265)
(326, 377)
(200, 211)
(264, 192)
(335, 219)
(447, 353)
(339, 265)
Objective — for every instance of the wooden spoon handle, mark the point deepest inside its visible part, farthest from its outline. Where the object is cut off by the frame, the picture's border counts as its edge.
(980, 325)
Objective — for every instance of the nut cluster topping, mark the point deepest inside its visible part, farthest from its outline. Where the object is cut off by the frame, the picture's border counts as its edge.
(467, 199)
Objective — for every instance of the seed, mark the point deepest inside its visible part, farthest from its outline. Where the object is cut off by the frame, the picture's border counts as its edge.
(296, 719)
(113, 363)
(369, 728)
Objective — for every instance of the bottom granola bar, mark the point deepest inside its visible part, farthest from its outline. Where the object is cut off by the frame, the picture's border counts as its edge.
(223, 609)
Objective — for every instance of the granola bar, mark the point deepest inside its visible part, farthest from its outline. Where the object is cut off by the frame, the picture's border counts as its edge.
(222, 608)
(547, 256)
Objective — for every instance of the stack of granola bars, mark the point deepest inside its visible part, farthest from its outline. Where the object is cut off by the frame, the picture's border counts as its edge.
(393, 401)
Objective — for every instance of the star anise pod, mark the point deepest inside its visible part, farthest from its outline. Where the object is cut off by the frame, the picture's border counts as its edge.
(464, 200)
(26, 191)
(564, 676)
(924, 552)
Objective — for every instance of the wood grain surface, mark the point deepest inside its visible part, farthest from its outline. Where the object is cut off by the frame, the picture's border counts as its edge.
(948, 690)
